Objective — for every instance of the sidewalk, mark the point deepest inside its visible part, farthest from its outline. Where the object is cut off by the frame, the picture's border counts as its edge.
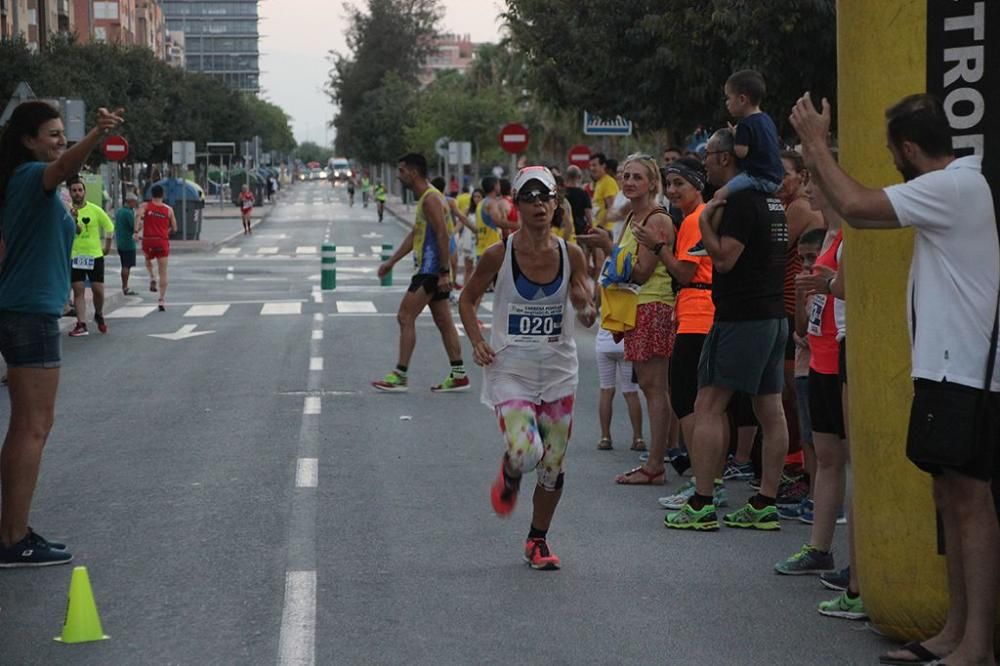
(404, 213)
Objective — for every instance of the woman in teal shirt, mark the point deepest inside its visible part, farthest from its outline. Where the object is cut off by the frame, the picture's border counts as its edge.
(38, 232)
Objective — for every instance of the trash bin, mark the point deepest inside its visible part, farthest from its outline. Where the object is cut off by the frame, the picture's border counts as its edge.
(239, 177)
(188, 200)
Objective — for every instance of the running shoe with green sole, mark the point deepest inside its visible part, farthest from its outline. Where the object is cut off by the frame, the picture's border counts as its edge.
(452, 384)
(844, 607)
(677, 501)
(808, 560)
(392, 383)
(748, 517)
(704, 520)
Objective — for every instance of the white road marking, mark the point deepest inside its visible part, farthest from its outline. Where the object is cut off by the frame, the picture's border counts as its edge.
(297, 640)
(376, 249)
(345, 249)
(317, 335)
(318, 316)
(313, 405)
(317, 294)
(356, 307)
(461, 330)
(307, 473)
(487, 305)
(316, 363)
(305, 249)
(131, 312)
(229, 250)
(270, 249)
(216, 310)
(281, 308)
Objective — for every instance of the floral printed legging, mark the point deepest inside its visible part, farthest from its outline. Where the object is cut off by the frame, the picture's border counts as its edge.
(536, 436)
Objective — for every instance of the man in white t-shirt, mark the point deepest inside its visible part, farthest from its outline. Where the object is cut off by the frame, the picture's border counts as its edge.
(952, 308)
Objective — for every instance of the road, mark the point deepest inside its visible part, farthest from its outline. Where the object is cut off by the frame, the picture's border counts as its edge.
(243, 496)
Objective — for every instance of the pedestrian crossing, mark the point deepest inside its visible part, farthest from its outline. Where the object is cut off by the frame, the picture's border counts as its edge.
(310, 251)
(341, 307)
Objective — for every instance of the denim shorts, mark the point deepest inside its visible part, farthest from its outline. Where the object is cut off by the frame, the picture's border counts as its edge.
(30, 340)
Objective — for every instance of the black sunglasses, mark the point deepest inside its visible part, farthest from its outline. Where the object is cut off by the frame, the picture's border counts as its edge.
(537, 195)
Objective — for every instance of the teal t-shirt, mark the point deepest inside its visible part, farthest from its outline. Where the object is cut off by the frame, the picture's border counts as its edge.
(125, 228)
(38, 232)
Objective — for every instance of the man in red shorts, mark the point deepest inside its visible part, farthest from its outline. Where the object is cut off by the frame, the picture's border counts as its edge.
(156, 222)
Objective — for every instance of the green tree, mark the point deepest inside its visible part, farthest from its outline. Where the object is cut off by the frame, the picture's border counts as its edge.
(309, 151)
(391, 36)
(271, 124)
(378, 131)
(663, 65)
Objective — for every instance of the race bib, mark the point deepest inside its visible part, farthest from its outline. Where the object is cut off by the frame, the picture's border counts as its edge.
(529, 323)
(814, 327)
(83, 263)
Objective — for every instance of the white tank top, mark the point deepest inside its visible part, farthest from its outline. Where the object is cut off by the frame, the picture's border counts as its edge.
(533, 337)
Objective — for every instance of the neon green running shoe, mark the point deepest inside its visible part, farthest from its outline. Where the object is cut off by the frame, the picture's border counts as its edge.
(843, 606)
(748, 517)
(704, 520)
(392, 383)
(452, 384)
(809, 560)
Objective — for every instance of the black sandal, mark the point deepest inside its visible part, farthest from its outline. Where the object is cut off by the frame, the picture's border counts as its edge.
(922, 654)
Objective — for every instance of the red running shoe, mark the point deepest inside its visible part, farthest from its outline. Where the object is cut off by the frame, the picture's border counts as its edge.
(503, 494)
(538, 556)
(101, 326)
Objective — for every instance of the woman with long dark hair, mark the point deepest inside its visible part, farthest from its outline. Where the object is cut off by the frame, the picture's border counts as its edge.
(38, 231)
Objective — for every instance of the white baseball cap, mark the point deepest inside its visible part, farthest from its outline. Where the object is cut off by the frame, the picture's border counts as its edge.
(539, 173)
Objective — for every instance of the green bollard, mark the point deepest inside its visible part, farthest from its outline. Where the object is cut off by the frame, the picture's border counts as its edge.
(386, 256)
(329, 272)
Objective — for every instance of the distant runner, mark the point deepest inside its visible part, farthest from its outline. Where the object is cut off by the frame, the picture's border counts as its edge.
(156, 222)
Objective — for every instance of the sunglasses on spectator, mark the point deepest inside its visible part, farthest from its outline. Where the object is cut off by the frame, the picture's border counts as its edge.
(536, 195)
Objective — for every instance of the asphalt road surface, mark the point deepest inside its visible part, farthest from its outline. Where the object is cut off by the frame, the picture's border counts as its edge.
(240, 495)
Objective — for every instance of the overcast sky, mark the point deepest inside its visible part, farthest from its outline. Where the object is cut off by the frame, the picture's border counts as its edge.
(297, 34)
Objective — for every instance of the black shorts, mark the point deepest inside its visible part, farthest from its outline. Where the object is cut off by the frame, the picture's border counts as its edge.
(826, 405)
(684, 372)
(429, 283)
(842, 361)
(942, 433)
(127, 258)
(745, 356)
(790, 344)
(95, 275)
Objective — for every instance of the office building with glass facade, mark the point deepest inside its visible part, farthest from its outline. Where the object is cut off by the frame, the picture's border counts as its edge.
(221, 38)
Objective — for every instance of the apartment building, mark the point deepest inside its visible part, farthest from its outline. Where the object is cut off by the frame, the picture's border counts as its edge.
(36, 21)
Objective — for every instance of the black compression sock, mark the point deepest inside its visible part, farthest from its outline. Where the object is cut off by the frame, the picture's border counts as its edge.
(535, 533)
(699, 502)
(760, 501)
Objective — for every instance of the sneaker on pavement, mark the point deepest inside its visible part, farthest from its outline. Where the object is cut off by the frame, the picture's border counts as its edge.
(836, 580)
(807, 561)
(703, 520)
(754, 483)
(503, 493)
(678, 500)
(806, 512)
(698, 250)
(792, 494)
(38, 538)
(392, 383)
(101, 325)
(451, 384)
(32, 551)
(538, 556)
(790, 512)
(738, 472)
(747, 517)
(79, 330)
(845, 607)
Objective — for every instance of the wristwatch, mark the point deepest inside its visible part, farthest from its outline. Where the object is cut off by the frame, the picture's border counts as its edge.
(444, 271)
(656, 248)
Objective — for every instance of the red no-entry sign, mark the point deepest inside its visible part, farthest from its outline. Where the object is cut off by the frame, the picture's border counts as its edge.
(514, 138)
(580, 156)
(115, 148)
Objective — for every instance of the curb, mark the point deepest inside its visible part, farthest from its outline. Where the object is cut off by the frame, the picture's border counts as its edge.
(205, 246)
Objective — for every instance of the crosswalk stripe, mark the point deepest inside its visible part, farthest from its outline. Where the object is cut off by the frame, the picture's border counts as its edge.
(229, 250)
(461, 330)
(216, 310)
(356, 306)
(305, 249)
(345, 249)
(316, 363)
(313, 405)
(267, 250)
(376, 249)
(281, 309)
(131, 312)
(487, 305)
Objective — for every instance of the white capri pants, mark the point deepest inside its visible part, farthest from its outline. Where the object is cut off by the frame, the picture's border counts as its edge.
(613, 369)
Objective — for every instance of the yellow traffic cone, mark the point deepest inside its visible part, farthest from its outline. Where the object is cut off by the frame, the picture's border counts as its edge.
(82, 624)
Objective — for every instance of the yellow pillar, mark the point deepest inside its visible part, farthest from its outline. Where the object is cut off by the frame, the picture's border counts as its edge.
(882, 57)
